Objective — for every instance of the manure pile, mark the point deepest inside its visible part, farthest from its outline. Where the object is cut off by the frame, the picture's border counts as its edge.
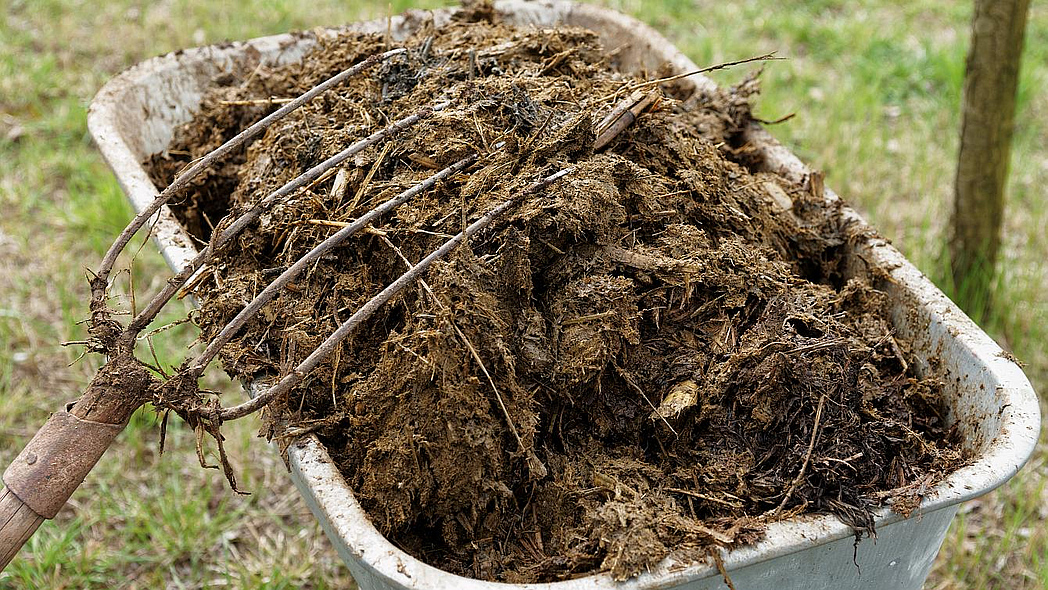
(657, 354)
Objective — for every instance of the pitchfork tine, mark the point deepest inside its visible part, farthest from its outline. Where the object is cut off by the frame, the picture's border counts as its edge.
(182, 181)
(150, 311)
(369, 308)
(270, 292)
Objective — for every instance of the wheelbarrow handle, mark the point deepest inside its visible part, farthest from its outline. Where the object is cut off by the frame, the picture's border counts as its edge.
(55, 462)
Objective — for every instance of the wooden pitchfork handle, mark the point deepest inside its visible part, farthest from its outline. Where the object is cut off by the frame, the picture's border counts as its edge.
(61, 454)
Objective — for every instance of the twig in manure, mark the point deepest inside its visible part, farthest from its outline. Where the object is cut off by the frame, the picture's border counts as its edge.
(254, 102)
(807, 457)
(367, 179)
(621, 107)
(626, 376)
(203, 273)
(623, 115)
(719, 561)
(782, 119)
(721, 66)
(328, 223)
(704, 497)
(587, 318)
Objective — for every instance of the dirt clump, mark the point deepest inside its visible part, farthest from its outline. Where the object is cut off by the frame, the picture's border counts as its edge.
(673, 335)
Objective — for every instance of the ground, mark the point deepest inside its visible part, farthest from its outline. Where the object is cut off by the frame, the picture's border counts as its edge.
(876, 88)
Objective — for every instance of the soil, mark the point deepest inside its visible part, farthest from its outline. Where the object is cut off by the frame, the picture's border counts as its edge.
(674, 335)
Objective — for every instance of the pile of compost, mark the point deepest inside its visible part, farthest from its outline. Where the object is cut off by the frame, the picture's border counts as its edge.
(658, 354)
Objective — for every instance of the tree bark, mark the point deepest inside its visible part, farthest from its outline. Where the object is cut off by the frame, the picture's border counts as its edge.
(991, 80)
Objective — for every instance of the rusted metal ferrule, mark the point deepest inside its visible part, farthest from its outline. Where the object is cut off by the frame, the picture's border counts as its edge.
(56, 461)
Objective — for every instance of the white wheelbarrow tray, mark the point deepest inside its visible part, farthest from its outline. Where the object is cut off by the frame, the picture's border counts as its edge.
(136, 113)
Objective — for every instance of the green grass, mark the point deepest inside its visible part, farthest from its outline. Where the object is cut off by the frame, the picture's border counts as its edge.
(876, 88)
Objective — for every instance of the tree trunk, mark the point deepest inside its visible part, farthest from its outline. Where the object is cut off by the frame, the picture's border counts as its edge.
(991, 79)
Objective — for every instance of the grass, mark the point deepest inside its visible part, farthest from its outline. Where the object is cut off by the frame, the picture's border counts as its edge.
(875, 85)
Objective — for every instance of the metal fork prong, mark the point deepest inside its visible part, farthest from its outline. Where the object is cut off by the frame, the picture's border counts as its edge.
(181, 182)
(349, 326)
(272, 289)
(152, 309)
